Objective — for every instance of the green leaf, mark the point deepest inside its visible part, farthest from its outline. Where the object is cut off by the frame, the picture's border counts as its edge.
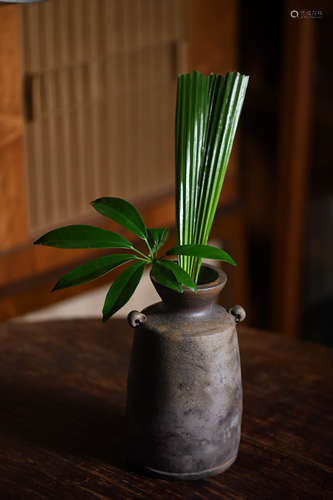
(123, 213)
(83, 237)
(165, 277)
(92, 270)
(179, 273)
(122, 289)
(202, 251)
(157, 237)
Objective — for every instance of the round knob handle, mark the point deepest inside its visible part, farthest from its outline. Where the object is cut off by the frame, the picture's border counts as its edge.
(238, 313)
(135, 319)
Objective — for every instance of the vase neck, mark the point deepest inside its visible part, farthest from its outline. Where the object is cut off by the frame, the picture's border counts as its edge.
(206, 296)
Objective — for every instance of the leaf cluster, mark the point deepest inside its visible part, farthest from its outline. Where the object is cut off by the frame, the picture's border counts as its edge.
(165, 271)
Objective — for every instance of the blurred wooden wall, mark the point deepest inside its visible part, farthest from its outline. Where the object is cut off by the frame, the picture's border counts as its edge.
(87, 111)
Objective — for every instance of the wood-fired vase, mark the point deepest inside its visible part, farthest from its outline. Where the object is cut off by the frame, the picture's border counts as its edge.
(184, 392)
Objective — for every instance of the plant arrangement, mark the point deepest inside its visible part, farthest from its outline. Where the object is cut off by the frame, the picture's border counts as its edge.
(207, 113)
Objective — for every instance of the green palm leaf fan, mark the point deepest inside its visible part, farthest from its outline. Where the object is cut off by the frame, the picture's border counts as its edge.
(207, 114)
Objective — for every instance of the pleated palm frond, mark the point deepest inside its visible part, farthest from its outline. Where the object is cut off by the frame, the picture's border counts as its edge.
(207, 114)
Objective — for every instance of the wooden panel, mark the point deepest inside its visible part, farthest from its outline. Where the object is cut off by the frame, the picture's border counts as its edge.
(295, 126)
(101, 78)
(13, 224)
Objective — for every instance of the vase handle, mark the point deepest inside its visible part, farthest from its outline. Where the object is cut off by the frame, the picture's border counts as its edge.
(238, 313)
(135, 319)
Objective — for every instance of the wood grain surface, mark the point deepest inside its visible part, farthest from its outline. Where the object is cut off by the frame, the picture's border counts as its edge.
(62, 428)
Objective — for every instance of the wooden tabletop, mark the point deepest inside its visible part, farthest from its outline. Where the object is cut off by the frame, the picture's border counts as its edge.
(62, 403)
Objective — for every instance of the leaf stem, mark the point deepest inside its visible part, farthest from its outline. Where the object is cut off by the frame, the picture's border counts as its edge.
(151, 253)
(146, 258)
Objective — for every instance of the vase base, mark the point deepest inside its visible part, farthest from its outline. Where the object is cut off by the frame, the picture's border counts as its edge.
(192, 475)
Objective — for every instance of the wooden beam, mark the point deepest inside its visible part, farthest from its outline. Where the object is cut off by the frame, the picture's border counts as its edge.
(13, 226)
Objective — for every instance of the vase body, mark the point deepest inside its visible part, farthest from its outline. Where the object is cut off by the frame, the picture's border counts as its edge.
(184, 392)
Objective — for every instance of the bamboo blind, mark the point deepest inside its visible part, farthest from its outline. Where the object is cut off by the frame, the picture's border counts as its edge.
(100, 97)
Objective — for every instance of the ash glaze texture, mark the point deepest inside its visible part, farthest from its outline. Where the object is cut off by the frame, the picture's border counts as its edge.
(184, 399)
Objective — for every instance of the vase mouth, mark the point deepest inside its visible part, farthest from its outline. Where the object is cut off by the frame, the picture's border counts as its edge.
(211, 277)
(212, 282)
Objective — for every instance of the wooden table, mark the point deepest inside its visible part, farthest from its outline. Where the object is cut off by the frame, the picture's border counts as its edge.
(62, 403)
